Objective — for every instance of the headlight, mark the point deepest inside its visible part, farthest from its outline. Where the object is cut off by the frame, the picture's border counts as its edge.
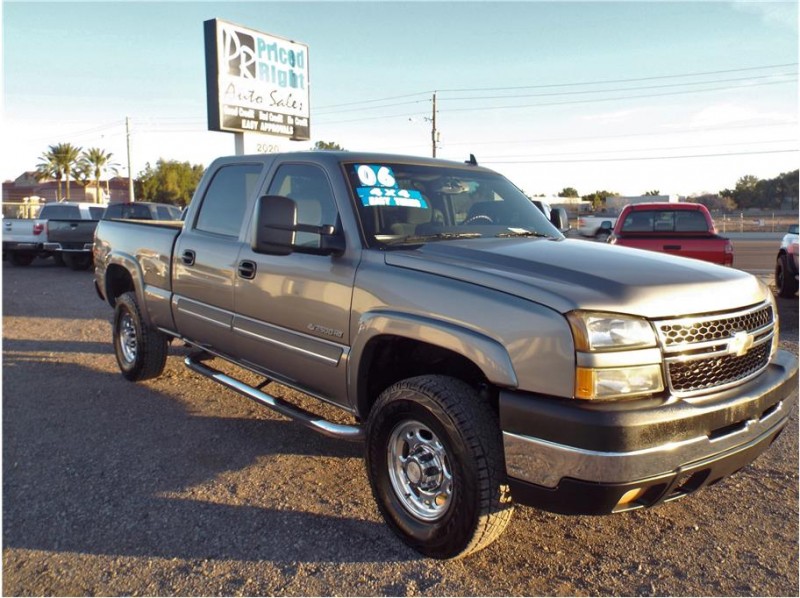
(777, 325)
(596, 331)
(617, 356)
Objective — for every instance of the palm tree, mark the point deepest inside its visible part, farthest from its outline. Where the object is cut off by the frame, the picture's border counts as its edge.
(49, 168)
(68, 156)
(95, 161)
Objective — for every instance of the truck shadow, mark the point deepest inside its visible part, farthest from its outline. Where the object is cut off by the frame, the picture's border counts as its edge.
(96, 465)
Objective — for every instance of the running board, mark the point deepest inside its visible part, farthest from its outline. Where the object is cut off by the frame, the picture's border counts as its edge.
(341, 431)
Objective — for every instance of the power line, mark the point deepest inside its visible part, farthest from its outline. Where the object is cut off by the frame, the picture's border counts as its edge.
(632, 80)
(645, 149)
(593, 100)
(637, 159)
(674, 132)
(585, 91)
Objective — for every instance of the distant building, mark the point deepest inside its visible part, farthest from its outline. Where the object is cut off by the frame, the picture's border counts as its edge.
(27, 186)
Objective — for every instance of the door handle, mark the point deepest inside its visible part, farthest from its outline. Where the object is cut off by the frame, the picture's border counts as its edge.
(187, 257)
(247, 269)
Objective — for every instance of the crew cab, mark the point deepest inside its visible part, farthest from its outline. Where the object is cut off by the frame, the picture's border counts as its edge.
(482, 358)
(683, 229)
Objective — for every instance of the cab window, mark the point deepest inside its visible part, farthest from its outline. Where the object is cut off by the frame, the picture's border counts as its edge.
(225, 201)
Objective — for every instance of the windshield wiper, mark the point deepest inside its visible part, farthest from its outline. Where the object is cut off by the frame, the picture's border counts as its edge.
(523, 233)
(416, 239)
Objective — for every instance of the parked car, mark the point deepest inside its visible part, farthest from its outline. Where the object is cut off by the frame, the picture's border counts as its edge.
(483, 358)
(142, 210)
(786, 269)
(682, 229)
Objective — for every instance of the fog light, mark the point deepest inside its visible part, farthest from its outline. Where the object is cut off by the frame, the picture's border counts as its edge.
(616, 383)
(630, 496)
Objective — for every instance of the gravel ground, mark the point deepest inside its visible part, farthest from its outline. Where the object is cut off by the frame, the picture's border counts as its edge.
(176, 486)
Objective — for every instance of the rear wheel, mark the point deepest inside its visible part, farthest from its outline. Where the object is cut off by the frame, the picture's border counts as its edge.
(785, 281)
(77, 261)
(19, 258)
(436, 467)
(141, 351)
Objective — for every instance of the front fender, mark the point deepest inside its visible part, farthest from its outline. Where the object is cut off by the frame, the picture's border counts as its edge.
(487, 354)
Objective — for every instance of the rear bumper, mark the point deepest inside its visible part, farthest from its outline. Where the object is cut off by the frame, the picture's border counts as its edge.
(571, 457)
(69, 247)
(21, 246)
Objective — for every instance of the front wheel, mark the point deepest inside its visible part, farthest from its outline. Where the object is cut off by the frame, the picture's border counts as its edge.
(785, 282)
(436, 467)
(141, 351)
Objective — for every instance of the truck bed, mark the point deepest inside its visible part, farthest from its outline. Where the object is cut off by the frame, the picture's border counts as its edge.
(142, 244)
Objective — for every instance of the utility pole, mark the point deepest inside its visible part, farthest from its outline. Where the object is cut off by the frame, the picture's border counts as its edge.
(434, 132)
(130, 172)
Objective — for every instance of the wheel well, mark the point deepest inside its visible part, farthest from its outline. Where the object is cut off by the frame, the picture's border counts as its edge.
(118, 281)
(389, 359)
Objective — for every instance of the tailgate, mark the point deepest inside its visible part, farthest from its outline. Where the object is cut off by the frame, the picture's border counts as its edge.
(71, 234)
(709, 248)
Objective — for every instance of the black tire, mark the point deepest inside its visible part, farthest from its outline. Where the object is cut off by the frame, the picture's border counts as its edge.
(19, 258)
(434, 456)
(602, 237)
(141, 351)
(58, 258)
(77, 261)
(785, 281)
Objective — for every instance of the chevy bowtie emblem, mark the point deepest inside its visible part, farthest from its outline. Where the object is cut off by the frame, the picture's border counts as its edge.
(740, 343)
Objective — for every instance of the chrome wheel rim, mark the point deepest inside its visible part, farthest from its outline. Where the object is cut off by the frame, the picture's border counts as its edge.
(127, 338)
(419, 470)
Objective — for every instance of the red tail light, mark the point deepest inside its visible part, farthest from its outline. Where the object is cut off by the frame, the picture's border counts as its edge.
(38, 228)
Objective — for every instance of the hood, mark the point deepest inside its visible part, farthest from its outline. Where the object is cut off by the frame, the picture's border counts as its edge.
(572, 274)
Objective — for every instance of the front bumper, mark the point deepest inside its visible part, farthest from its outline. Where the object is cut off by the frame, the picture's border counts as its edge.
(575, 457)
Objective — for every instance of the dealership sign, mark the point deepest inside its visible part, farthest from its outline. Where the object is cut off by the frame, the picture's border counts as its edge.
(256, 82)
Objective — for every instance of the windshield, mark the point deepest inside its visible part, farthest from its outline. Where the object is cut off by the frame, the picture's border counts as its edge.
(402, 204)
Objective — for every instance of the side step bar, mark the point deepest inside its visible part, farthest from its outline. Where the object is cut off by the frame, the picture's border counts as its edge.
(343, 432)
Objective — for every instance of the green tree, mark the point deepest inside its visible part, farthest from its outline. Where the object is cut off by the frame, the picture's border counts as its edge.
(327, 145)
(652, 193)
(170, 181)
(598, 198)
(569, 192)
(745, 194)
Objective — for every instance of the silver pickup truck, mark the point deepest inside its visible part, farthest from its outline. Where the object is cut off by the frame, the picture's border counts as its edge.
(483, 358)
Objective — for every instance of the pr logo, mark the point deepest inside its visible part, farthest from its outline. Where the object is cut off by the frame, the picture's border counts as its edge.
(239, 53)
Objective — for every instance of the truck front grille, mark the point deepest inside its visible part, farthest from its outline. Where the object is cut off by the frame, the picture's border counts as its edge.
(716, 351)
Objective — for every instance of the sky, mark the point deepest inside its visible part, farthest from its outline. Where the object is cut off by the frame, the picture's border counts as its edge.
(627, 97)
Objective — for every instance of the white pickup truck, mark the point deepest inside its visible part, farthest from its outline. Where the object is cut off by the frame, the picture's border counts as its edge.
(24, 239)
(598, 226)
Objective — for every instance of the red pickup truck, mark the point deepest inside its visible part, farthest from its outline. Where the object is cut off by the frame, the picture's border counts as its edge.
(684, 229)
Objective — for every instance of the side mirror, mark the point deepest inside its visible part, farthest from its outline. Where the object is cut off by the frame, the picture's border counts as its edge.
(275, 230)
(274, 225)
(560, 219)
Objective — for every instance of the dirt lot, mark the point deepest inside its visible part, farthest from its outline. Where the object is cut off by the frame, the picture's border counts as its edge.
(177, 486)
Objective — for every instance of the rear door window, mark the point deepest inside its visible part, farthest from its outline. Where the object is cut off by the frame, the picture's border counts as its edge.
(225, 201)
